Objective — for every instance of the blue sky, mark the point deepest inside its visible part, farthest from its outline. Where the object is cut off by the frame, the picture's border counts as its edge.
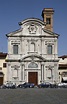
(14, 11)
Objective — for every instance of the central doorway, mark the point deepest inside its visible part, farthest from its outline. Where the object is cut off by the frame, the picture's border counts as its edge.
(33, 77)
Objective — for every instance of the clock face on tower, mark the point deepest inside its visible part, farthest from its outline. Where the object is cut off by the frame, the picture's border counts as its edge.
(32, 29)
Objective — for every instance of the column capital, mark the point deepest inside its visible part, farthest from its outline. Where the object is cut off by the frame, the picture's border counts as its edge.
(42, 63)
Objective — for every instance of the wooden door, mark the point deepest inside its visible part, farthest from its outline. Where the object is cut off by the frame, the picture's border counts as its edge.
(33, 77)
(1, 80)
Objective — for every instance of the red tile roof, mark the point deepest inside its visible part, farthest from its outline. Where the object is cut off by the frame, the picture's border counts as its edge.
(64, 56)
(3, 55)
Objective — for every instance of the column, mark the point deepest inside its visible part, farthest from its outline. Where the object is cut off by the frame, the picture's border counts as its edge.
(8, 65)
(9, 75)
(42, 72)
(22, 72)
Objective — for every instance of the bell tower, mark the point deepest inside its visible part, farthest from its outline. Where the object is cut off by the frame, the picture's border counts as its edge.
(47, 15)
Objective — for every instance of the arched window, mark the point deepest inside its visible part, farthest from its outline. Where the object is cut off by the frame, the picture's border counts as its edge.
(32, 47)
(49, 49)
(32, 65)
(48, 20)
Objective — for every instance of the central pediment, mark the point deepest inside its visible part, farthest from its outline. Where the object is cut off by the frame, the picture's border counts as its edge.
(32, 26)
(30, 20)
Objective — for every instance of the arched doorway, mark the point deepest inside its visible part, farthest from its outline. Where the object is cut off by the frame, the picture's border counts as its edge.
(64, 77)
(32, 69)
(1, 78)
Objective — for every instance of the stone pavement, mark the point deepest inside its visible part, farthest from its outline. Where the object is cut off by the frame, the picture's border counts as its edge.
(33, 96)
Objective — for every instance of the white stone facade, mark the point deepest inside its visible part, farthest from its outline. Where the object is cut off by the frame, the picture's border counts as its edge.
(33, 63)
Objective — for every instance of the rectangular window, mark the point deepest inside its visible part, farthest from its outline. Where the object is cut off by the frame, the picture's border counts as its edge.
(0, 68)
(15, 49)
(49, 49)
(48, 20)
(4, 64)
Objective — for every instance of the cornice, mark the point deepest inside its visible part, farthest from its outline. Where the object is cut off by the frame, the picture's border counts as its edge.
(15, 60)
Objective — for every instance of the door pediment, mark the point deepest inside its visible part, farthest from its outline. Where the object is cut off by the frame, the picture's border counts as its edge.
(33, 57)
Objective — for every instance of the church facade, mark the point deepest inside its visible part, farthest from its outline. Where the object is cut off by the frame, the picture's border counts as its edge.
(32, 51)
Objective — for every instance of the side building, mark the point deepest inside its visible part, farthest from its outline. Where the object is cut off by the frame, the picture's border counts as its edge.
(32, 51)
(63, 68)
(3, 68)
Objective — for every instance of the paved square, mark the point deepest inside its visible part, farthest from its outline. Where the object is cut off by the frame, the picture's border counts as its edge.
(33, 96)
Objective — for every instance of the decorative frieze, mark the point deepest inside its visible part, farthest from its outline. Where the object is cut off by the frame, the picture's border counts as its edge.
(15, 66)
(49, 42)
(15, 42)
